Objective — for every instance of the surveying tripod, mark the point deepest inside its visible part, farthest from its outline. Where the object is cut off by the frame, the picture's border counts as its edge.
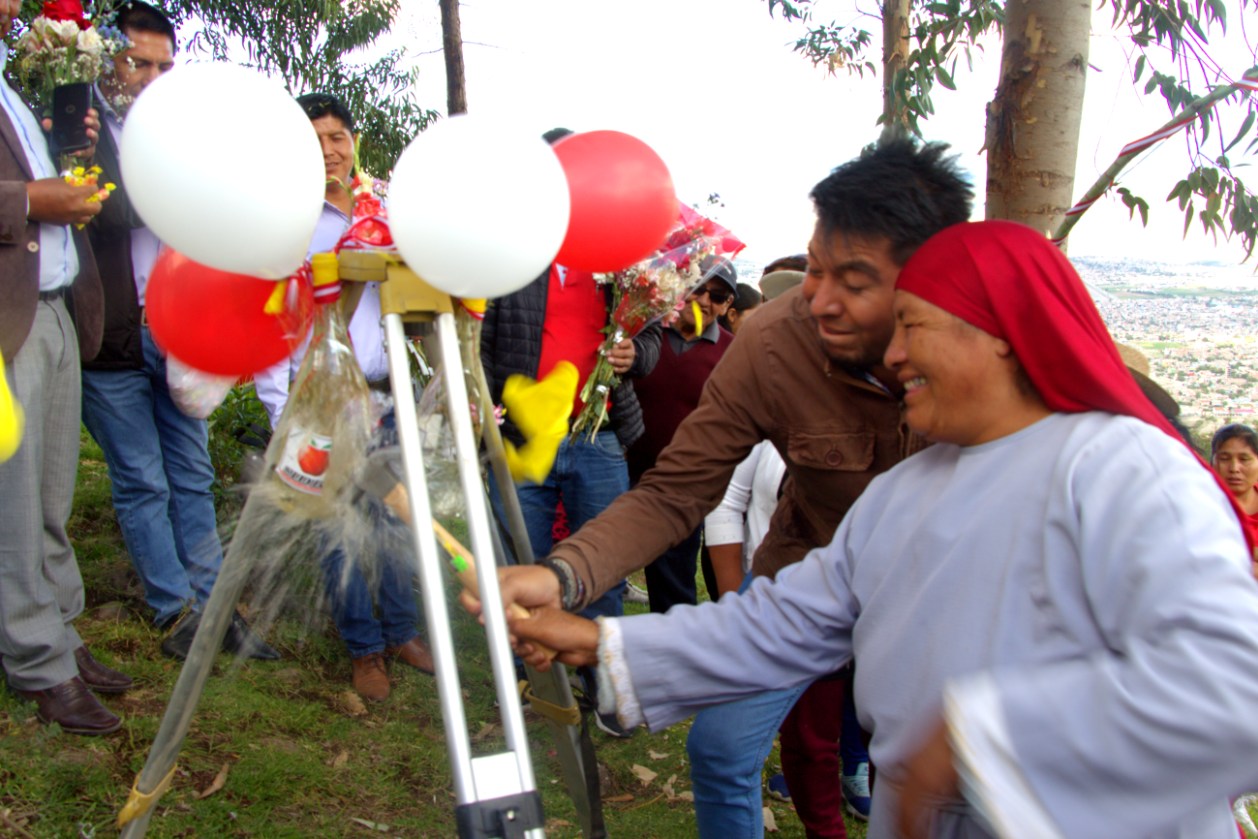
(496, 795)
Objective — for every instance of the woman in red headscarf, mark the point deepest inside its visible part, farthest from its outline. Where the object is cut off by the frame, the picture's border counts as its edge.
(1051, 606)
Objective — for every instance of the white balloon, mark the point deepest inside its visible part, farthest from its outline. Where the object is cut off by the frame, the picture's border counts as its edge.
(478, 208)
(223, 165)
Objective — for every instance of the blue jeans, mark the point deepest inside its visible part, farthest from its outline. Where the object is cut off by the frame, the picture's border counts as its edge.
(728, 745)
(352, 603)
(589, 476)
(161, 473)
(670, 578)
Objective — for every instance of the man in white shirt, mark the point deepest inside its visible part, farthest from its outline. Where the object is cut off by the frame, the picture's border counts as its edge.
(376, 625)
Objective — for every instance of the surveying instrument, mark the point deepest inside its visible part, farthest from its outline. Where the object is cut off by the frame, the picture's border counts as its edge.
(496, 794)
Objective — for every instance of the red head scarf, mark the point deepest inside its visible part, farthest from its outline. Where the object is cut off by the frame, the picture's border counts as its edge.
(1012, 283)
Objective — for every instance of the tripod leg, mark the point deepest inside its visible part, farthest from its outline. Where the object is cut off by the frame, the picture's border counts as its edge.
(573, 744)
(495, 794)
(153, 778)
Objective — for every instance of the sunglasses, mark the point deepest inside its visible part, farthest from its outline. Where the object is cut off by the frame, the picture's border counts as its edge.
(719, 296)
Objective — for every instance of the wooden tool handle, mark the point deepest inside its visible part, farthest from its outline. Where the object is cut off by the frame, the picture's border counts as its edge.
(461, 558)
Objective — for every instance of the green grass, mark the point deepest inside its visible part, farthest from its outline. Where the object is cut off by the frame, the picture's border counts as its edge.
(300, 760)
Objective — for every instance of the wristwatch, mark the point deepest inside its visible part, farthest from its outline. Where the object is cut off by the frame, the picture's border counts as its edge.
(571, 587)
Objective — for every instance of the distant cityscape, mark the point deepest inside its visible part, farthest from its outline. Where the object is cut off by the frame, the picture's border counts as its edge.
(1198, 325)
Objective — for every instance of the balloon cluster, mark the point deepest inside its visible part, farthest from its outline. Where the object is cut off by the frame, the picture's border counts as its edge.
(480, 209)
(476, 207)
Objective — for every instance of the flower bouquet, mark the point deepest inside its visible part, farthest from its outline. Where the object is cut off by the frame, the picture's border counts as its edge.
(59, 57)
(646, 292)
(61, 47)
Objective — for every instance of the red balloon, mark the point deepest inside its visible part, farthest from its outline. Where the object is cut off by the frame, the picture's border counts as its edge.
(623, 201)
(216, 321)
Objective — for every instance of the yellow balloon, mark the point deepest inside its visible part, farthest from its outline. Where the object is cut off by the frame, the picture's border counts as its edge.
(11, 418)
(540, 410)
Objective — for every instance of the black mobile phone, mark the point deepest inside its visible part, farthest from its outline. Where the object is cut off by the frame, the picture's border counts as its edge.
(69, 108)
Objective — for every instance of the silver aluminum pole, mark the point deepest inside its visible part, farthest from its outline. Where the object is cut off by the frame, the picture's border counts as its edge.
(432, 584)
(482, 547)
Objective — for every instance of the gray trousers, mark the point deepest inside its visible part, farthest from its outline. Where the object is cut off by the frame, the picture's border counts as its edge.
(41, 591)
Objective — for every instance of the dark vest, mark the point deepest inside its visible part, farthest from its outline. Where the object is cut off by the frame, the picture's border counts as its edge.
(669, 394)
(110, 234)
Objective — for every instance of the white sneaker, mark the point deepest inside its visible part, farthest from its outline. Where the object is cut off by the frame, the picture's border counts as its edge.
(633, 594)
(856, 792)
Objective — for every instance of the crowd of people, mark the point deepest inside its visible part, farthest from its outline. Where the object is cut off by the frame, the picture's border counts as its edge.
(1044, 590)
(108, 370)
(958, 552)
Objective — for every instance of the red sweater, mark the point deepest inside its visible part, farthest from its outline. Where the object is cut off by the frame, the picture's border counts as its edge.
(576, 312)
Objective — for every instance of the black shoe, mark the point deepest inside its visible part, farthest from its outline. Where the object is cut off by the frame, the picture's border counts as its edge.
(241, 640)
(177, 643)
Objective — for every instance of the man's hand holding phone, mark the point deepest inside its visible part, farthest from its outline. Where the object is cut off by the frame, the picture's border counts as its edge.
(74, 130)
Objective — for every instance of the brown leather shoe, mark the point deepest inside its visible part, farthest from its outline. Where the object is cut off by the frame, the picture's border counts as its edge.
(73, 707)
(98, 677)
(371, 680)
(414, 653)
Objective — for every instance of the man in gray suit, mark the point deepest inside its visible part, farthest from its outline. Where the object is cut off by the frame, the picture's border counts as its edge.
(46, 273)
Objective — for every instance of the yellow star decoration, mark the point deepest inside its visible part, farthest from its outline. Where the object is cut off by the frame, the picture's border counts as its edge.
(540, 410)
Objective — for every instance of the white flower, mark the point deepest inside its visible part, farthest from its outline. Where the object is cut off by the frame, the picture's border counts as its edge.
(90, 42)
(65, 31)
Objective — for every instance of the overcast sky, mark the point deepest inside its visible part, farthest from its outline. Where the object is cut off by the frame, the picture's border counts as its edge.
(714, 88)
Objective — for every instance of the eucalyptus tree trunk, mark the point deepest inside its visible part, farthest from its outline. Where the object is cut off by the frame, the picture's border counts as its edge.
(452, 46)
(895, 52)
(1033, 123)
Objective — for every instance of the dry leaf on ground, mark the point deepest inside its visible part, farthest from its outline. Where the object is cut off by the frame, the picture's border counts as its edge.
(644, 775)
(351, 703)
(215, 785)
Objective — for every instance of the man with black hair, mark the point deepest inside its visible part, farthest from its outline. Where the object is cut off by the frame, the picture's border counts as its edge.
(807, 376)
(158, 458)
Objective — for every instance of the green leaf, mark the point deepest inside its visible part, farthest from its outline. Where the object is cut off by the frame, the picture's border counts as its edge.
(1245, 126)
(942, 76)
(1220, 12)
(1139, 69)
(1188, 219)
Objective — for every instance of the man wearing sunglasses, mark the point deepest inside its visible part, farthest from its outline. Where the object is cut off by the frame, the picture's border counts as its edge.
(690, 350)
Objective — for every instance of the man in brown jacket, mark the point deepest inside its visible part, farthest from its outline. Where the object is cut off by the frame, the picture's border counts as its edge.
(806, 375)
(46, 272)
